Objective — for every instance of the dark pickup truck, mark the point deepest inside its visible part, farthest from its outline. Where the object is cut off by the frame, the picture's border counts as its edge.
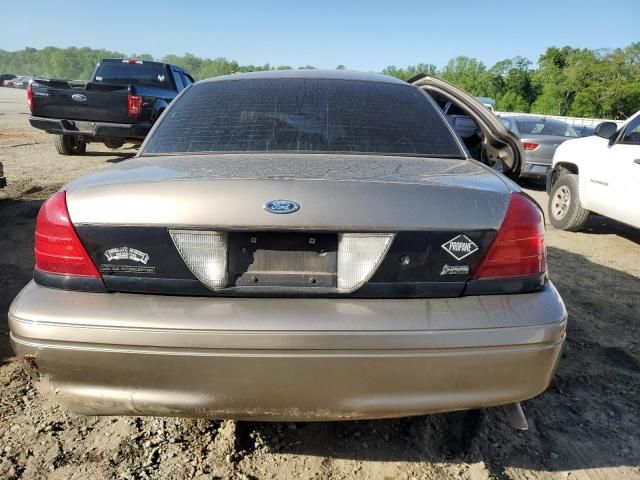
(118, 105)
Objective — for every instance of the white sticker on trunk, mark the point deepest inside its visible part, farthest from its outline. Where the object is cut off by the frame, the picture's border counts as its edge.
(455, 270)
(126, 253)
(460, 247)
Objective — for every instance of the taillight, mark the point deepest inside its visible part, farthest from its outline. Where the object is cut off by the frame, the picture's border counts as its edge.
(518, 249)
(134, 105)
(58, 249)
(529, 146)
(359, 256)
(30, 96)
(205, 253)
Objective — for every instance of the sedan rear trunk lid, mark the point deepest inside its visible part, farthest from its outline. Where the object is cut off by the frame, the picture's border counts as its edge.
(334, 192)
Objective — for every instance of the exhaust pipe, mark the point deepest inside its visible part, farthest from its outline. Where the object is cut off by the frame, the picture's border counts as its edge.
(515, 416)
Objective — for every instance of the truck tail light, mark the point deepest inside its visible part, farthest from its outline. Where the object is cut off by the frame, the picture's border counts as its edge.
(58, 249)
(529, 146)
(30, 96)
(519, 248)
(134, 105)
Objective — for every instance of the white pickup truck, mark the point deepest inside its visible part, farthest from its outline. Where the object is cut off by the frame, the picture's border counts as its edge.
(599, 174)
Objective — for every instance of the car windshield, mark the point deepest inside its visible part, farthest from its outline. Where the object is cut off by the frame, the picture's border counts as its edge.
(304, 115)
(132, 73)
(542, 126)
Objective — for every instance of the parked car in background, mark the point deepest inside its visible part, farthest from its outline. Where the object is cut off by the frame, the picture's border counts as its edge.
(21, 82)
(584, 131)
(10, 83)
(599, 174)
(118, 105)
(295, 245)
(540, 136)
(488, 102)
(6, 79)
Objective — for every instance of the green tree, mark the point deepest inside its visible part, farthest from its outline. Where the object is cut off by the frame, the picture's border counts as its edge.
(565, 81)
(410, 71)
(513, 85)
(469, 74)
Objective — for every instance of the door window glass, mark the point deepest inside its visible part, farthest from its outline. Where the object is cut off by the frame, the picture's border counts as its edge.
(186, 79)
(632, 133)
(178, 78)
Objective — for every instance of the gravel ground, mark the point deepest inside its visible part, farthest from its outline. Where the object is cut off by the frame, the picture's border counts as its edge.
(585, 426)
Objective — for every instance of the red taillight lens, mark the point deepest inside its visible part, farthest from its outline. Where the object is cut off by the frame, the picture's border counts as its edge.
(58, 249)
(518, 249)
(529, 146)
(135, 104)
(30, 96)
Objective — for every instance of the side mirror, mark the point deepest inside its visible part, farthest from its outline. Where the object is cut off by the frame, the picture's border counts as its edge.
(606, 130)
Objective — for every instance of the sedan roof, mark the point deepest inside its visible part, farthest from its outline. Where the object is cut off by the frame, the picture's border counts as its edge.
(311, 74)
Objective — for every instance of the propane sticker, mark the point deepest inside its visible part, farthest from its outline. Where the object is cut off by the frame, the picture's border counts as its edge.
(460, 247)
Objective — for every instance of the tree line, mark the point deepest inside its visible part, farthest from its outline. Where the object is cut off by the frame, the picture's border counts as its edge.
(563, 81)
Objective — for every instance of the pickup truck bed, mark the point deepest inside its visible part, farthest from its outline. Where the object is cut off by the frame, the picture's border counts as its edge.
(118, 105)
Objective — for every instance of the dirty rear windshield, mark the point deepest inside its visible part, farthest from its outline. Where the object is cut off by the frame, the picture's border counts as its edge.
(149, 74)
(303, 115)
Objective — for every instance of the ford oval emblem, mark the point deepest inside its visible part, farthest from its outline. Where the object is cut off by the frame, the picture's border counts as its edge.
(78, 97)
(281, 206)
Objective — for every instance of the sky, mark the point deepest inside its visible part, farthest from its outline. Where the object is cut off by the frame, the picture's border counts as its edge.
(324, 33)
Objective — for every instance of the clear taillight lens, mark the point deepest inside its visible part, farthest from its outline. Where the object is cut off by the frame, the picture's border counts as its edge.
(205, 253)
(359, 256)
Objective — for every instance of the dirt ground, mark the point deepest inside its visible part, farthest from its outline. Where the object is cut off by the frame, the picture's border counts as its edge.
(585, 426)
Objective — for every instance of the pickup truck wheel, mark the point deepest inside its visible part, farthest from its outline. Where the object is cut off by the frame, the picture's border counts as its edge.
(69, 145)
(565, 209)
(113, 143)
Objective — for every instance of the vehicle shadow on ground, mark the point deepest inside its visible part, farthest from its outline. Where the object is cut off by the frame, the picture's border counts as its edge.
(537, 185)
(588, 418)
(599, 225)
(17, 223)
(118, 156)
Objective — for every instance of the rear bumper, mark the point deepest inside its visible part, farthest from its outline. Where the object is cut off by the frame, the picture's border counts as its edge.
(286, 359)
(92, 130)
(535, 170)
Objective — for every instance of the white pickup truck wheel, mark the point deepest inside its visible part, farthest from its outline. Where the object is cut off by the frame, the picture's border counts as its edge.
(565, 209)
